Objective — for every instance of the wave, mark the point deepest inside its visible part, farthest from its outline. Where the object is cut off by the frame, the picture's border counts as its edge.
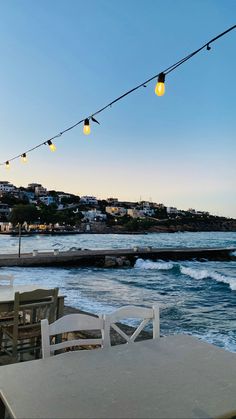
(199, 274)
(233, 253)
(149, 264)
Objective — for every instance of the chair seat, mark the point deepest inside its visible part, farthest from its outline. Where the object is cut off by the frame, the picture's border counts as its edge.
(23, 332)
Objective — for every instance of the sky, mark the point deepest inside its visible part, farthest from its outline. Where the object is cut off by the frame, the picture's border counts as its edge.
(61, 60)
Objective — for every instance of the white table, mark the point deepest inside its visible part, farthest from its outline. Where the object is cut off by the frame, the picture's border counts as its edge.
(172, 377)
(7, 295)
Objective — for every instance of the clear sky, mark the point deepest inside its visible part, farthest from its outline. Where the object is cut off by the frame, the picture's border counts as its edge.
(61, 60)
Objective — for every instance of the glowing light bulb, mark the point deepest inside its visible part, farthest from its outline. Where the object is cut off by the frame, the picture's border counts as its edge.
(86, 129)
(7, 165)
(51, 146)
(160, 86)
(24, 158)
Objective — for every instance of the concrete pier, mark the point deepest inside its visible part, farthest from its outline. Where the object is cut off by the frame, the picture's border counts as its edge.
(97, 257)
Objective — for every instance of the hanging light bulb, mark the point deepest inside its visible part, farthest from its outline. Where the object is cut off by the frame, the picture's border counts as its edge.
(7, 164)
(86, 129)
(24, 158)
(160, 86)
(51, 145)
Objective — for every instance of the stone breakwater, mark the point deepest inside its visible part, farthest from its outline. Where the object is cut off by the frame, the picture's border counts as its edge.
(114, 257)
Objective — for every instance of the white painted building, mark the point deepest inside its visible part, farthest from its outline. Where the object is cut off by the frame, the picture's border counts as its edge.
(88, 200)
(6, 186)
(40, 191)
(135, 213)
(94, 215)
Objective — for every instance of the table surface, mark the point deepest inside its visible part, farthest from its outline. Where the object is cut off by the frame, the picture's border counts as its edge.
(171, 377)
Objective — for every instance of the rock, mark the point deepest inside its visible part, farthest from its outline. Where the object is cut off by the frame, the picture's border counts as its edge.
(110, 262)
(113, 262)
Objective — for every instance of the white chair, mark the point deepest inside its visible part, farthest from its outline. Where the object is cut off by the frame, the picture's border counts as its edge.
(132, 312)
(6, 280)
(67, 324)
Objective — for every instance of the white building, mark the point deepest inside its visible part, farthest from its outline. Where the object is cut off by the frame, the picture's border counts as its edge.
(94, 215)
(6, 186)
(40, 191)
(88, 200)
(135, 213)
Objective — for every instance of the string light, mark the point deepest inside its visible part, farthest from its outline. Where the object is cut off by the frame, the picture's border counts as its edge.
(86, 129)
(159, 90)
(160, 86)
(24, 158)
(51, 146)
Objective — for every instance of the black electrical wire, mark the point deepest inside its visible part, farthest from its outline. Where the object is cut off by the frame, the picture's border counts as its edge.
(143, 84)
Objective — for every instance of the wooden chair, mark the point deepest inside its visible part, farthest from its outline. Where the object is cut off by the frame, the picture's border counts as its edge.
(24, 335)
(68, 324)
(132, 312)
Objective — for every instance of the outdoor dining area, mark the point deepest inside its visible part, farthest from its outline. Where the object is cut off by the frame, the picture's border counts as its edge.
(71, 368)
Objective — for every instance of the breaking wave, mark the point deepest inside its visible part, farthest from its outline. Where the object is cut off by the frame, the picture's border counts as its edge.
(199, 274)
(149, 264)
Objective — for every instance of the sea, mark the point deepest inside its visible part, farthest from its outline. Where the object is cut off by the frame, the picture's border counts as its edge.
(195, 298)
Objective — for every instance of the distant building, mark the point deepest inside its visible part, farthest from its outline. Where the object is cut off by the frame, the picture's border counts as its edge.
(171, 210)
(47, 200)
(88, 200)
(40, 191)
(94, 215)
(5, 227)
(62, 196)
(159, 206)
(27, 194)
(116, 211)
(112, 201)
(6, 186)
(135, 213)
(33, 185)
(192, 211)
(4, 210)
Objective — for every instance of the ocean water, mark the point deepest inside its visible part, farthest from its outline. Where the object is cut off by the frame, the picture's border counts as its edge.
(197, 298)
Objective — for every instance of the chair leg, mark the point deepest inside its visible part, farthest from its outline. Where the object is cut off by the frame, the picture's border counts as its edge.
(14, 351)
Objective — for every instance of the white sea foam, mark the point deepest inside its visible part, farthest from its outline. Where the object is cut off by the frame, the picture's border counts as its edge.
(149, 264)
(233, 253)
(199, 274)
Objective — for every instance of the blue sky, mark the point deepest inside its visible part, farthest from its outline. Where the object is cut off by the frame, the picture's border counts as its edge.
(62, 60)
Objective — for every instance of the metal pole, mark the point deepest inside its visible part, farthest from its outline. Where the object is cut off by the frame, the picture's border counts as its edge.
(19, 240)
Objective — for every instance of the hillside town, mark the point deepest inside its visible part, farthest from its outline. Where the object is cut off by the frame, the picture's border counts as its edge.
(61, 212)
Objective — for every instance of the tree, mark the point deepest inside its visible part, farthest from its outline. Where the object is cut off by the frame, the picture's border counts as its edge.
(21, 214)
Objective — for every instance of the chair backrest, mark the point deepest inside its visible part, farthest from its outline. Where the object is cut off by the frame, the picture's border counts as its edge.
(6, 280)
(31, 307)
(132, 312)
(66, 324)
